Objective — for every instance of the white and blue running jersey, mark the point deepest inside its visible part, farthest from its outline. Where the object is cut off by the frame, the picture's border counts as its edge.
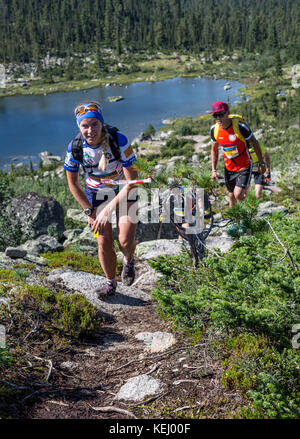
(92, 157)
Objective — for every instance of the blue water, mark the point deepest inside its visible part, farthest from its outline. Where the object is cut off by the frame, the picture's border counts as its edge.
(31, 124)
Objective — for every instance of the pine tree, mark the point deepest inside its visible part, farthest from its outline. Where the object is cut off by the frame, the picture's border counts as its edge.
(278, 64)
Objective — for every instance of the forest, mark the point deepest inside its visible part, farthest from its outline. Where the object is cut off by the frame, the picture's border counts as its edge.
(33, 28)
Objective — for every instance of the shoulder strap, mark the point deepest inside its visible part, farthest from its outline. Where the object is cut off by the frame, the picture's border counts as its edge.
(235, 124)
(216, 131)
(77, 148)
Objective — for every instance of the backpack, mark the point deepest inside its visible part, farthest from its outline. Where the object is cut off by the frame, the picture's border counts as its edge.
(77, 145)
(236, 118)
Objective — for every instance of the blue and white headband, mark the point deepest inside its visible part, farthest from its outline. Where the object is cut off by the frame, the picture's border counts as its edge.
(88, 110)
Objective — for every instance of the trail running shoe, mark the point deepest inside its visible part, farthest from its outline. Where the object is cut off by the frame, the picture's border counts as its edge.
(108, 290)
(242, 229)
(233, 230)
(128, 273)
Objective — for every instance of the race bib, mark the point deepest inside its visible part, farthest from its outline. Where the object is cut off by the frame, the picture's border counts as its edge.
(230, 151)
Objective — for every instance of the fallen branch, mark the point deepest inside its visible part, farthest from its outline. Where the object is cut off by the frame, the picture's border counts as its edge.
(287, 252)
(154, 368)
(15, 386)
(44, 359)
(58, 403)
(184, 381)
(139, 278)
(185, 408)
(113, 409)
(148, 400)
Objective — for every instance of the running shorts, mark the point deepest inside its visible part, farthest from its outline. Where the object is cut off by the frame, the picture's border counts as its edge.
(240, 178)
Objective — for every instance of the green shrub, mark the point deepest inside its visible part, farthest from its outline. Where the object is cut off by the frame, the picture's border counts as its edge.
(250, 287)
(70, 316)
(269, 377)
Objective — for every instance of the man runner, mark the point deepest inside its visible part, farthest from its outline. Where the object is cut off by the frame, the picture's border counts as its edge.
(237, 159)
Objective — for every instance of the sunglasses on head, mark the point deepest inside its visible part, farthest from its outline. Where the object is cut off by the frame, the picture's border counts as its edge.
(216, 115)
(89, 107)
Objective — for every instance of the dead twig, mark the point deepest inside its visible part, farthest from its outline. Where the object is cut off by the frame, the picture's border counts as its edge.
(185, 408)
(148, 400)
(287, 252)
(48, 361)
(139, 278)
(154, 368)
(15, 386)
(184, 381)
(113, 409)
(58, 403)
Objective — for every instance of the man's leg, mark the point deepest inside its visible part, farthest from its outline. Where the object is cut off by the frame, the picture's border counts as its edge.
(258, 190)
(232, 200)
(239, 193)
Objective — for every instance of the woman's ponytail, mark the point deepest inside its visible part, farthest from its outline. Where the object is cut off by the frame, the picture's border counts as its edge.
(105, 147)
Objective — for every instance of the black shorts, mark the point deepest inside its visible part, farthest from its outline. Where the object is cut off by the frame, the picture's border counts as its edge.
(258, 178)
(239, 178)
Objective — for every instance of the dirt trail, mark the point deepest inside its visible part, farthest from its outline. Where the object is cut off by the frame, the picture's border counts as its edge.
(89, 374)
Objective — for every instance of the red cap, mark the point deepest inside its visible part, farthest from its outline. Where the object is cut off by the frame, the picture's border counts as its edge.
(219, 106)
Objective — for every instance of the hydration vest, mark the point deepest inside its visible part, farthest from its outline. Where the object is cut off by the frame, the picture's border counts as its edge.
(77, 145)
(235, 118)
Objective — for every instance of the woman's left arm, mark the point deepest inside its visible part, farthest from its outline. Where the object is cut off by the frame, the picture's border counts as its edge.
(130, 174)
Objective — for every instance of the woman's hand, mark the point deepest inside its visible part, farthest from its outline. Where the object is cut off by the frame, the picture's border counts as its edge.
(101, 220)
(92, 218)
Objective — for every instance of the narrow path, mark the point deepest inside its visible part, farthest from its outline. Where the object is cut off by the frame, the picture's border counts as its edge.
(88, 375)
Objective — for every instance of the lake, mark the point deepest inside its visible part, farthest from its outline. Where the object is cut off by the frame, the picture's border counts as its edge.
(31, 124)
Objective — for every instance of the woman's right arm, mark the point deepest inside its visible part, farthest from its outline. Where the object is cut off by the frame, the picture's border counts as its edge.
(76, 190)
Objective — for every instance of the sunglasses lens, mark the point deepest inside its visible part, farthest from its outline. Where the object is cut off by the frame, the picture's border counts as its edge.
(81, 110)
(84, 108)
(218, 115)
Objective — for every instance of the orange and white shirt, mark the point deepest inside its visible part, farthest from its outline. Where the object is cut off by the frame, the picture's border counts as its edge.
(235, 151)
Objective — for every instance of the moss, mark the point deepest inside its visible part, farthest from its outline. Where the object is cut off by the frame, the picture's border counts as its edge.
(73, 260)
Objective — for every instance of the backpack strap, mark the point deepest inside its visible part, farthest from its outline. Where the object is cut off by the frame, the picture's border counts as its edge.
(77, 148)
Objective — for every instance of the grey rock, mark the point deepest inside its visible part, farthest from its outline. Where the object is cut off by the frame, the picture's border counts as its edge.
(222, 242)
(258, 134)
(159, 169)
(156, 341)
(42, 244)
(77, 215)
(155, 248)
(168, 122)
(37, 215)
(269, 207)
(87, 284)
(15, 252)
(7, 262)
(137, 388)
(71, 365)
